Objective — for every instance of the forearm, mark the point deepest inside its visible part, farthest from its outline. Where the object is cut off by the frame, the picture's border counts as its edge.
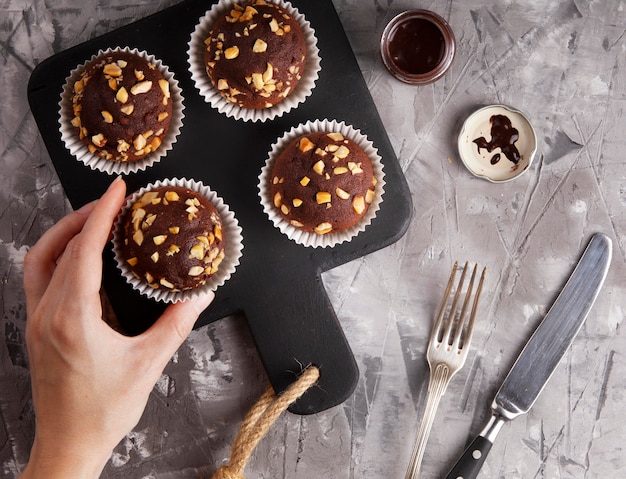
(64, 465)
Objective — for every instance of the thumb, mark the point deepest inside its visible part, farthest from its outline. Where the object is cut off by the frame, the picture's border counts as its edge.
(172, 328)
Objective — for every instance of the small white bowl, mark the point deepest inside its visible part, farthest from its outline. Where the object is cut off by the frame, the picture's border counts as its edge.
(495, 165)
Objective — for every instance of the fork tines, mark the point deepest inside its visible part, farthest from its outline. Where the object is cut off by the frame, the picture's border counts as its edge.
(454, 332)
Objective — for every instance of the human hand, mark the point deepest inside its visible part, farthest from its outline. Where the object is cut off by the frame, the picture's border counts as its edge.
(90, 384)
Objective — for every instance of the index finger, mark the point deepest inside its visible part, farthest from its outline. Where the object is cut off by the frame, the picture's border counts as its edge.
(81, 263)
(40, 261)
(93, 220)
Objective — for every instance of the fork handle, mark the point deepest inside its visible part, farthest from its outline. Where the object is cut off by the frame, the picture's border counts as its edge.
(437, 385)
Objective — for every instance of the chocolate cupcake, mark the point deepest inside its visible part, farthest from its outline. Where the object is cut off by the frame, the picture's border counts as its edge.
(124, 108)
(254, 60)
(255, 54)
(175, 237)
(322, 184)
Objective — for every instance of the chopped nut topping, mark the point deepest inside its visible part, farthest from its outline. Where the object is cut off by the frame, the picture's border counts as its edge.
(322, 197)
(174, 230)
(342, 152)
(122, 146)
(165, 87)
(121, 95)
(304, 144)
(108, 118)
(151, 217)
(171, 196)
(344, 195)
(268, 74)
(358, 204)
(257, 80)
(160, 239)
(305, 180)
(78, 86)
(196, 271)
(248, 14)
(155, 257)
(259, 46)
(222, 84)
(369, 196)
(138, 214)
(335, 136)
(132, 261)
(197, 251)
(297, 202)
(231, 53)
(319, 167)
(355, 168)
(99, 140)
(128, 109)
(278, 200)
(138, 237)
(323, 228)
(141, 87)
(139, 142)
(112, 69)
(340, 170)
(192, 210)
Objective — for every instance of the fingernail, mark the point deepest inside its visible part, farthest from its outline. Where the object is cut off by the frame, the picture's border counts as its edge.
(117, 179)
(203, 301)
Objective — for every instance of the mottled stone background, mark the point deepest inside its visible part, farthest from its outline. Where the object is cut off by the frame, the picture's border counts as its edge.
(561, 62)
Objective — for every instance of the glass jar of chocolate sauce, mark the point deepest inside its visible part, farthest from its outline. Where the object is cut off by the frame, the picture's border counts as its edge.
(417, 47)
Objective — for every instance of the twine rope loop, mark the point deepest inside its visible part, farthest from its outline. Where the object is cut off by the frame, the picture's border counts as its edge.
(260, 419)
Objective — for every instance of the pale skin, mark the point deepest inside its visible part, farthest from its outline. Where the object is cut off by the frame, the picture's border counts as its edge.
(90, 383)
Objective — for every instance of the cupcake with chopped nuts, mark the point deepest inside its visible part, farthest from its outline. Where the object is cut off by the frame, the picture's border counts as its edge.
(322, 184)
(121, 111)
(174, 237)
(254, 59)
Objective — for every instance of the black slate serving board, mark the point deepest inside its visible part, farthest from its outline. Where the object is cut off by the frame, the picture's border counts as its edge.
(277, 286)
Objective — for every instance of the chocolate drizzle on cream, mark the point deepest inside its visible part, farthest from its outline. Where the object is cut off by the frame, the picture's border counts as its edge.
(503, 136)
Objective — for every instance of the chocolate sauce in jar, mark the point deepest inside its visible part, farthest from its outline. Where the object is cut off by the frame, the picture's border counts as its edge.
(417, 47)
(503, 136)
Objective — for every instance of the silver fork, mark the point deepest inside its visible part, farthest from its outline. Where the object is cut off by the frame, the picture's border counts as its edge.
(447, 351)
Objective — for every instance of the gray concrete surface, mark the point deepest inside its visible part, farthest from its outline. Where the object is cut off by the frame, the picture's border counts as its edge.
(563, 64)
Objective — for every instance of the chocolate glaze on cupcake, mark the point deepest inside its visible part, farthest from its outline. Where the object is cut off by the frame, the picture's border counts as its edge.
(322, 182)
(173, 238)
(255, 54)
(121, 106)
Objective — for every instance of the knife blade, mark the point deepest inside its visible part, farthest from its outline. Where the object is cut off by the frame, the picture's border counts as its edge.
(542, 353)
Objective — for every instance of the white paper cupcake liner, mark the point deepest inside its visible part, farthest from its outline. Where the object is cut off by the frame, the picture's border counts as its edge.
(330, 239)
(230, 229)
(197, 67)
(78, 148)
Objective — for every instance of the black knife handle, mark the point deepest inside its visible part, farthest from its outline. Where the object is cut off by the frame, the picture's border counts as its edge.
(468, 466)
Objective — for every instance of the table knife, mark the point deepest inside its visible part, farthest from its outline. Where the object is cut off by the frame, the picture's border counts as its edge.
(542, 353)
